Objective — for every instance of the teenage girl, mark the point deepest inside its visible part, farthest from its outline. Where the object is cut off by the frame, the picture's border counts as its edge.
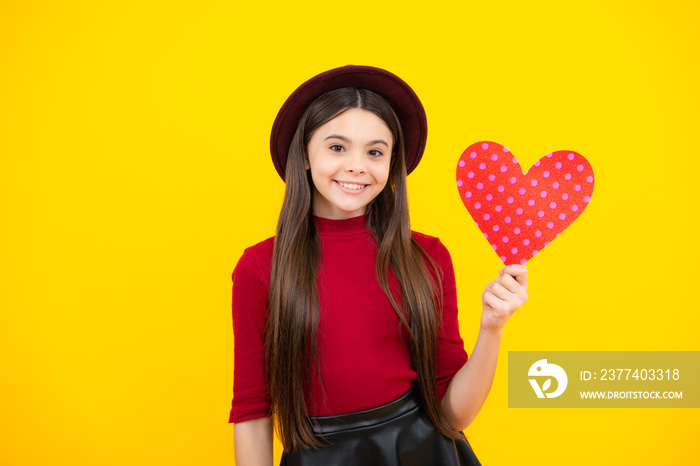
(345, 322)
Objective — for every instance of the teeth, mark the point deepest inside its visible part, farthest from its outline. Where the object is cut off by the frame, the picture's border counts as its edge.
(351, 186)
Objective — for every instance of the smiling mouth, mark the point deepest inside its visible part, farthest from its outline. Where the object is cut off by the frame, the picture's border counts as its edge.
(351, 186)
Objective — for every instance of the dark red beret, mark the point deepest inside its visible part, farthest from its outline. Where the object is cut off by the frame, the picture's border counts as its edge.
(405, 102)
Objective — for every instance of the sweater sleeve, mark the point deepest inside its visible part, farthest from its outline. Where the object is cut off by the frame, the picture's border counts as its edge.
(451, 355)
(249, 310)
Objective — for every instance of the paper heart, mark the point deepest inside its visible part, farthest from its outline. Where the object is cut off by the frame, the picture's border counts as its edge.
(521, 213)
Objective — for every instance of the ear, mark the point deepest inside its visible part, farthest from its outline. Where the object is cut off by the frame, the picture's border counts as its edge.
(306, 164)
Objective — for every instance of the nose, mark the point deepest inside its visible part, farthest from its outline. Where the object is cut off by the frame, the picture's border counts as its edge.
(356, 163)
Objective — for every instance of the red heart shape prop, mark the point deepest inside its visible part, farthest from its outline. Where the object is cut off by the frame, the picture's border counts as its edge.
(521, 213)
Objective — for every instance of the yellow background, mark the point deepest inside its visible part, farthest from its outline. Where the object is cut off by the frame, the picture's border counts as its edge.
(134, 170)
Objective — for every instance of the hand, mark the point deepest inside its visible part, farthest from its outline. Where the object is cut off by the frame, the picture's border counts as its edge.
(503, 296)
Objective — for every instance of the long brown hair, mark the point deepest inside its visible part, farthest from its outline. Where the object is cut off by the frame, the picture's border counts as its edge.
(291, 353)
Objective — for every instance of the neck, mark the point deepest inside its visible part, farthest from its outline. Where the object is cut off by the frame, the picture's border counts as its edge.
(340, 227)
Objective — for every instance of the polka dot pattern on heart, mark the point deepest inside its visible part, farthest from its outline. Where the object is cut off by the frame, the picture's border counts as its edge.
(532, 207)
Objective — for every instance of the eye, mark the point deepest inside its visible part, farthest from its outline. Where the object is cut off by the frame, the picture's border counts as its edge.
(375, 153)
(336, 148)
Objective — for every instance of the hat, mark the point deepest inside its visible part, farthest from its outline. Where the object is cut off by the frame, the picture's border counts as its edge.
(404, 101)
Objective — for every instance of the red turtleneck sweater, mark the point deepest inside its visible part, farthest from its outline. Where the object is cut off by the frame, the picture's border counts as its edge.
(365, 360)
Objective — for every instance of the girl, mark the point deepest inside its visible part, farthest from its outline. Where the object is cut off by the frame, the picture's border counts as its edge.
(345, 322)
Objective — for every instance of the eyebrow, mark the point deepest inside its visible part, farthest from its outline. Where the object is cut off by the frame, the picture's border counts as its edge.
(343, 138)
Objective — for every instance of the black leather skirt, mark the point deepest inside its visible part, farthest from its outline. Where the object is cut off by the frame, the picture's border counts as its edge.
(398, 433)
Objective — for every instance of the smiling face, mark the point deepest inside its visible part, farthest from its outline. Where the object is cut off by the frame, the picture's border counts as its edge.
(349, 158)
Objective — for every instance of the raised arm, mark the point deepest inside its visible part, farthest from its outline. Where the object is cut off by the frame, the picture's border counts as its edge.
(252, 442)
(470, 386)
